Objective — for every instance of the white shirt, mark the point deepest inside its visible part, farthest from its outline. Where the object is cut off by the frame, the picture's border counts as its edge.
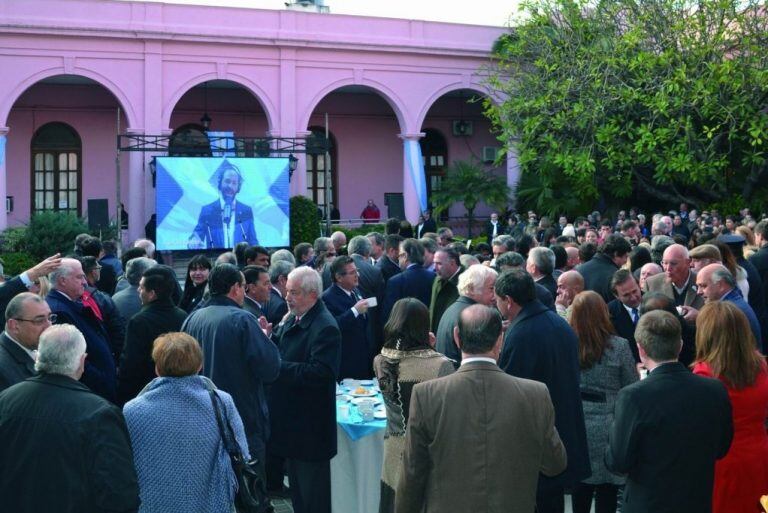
(228, 229)
(629, 311)
(353, 296)
(478, 359)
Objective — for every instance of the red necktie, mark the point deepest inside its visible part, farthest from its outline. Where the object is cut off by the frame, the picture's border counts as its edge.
(90, 304)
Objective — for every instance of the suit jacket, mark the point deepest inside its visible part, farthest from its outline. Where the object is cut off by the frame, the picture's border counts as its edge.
(658, 283)
(136, 365)
(302, 402)
(15, 363)
(356, 350)
(759, 260)
(597, 275)
(276, 307)
(8, 290)
(444, 335)
(415, 281)
(549, 283)
(249, 305)
(756, 296)
(444, 294)
(428, 226)
(209, 228)
(668, 430)
(500, 230)
(80, 454)
(388, 268)
(476, 441)
(371, 284)
(540, 345)
(100, 370)
(622, 323)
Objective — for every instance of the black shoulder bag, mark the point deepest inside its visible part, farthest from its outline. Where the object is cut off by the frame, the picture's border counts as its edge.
(251, 488)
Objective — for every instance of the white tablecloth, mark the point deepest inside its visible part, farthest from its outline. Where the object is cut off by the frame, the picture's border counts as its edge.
(356, 473)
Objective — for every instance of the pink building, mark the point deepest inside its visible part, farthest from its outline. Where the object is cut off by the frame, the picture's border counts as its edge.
(76, 73)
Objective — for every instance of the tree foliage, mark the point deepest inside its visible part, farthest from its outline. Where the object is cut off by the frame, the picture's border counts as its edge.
(640, 99)
(305, 220)
(469, 183)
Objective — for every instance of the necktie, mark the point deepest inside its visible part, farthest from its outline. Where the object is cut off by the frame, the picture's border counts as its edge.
(635, 316)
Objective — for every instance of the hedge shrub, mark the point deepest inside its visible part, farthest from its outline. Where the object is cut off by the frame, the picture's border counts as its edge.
(52, 232)
(305, 220)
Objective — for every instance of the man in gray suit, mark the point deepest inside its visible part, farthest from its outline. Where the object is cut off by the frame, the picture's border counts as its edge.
(26, 317)
(477, 439)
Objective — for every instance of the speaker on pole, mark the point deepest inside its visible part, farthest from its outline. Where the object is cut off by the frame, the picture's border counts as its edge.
(98, 214)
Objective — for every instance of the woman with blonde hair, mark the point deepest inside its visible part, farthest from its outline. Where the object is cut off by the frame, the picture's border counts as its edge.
(607, 366)
(180, 458)
(750, 246)
(726, 350)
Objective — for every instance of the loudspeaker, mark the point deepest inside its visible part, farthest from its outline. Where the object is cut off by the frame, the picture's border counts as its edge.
(98, 214)
(395, 206)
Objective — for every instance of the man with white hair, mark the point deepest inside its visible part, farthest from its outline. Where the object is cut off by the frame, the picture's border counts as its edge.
(339, 240)
(302, 402)
(71, 306)
(646, 271)
(476, 285)
(127, 301)
(540, 264)
(79, 455)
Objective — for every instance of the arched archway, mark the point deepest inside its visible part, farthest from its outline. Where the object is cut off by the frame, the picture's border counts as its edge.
(189, 140)
(368, 159)
(234, 105)
(322, 174)
(56, 156)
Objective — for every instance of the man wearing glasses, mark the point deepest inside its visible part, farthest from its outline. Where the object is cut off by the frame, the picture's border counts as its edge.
(27, 316)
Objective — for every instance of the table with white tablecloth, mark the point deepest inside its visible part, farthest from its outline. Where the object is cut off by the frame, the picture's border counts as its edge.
(356, 468)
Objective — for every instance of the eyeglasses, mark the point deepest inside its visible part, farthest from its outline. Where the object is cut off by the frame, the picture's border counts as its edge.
(39, 321)
(350, 273)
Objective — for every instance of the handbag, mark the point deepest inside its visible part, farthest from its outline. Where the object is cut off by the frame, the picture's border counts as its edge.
(251, 485)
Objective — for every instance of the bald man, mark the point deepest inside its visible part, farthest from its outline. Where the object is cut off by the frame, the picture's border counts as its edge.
(569, 284)
(716, 283)
(678, 280)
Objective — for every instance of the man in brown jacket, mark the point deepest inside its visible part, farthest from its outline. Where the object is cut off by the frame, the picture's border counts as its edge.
(477, 439)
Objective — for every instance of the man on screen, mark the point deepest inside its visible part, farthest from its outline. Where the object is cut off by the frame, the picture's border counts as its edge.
(225, 222)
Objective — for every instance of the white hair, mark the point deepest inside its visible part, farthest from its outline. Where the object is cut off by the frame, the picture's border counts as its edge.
(473, 279)
(543, 258)
(148, 246)
(309, 280)
(59, 350)
(282, 255)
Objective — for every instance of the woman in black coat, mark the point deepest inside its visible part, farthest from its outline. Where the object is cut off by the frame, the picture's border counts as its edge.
(194, 286)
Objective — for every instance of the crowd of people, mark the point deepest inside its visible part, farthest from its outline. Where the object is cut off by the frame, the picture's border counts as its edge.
(610, 359)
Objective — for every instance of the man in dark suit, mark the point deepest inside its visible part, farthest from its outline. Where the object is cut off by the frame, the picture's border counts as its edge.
(257, 290)
(278, 276)
(67, 300)
(302, 401)
(760, 258)
(158, 315)
(225, 222)
(444, 289)
(670, 428)
(625, 309)
(540, 265)
(493, 228)
(483, 435)
(388, 261)
(476, 286)
(540, 345)
(27, 316)
(345, 302)
(25, 281)
(597, 272)
(371, 284)
(415, 281)
(427, 226)
(81, 438)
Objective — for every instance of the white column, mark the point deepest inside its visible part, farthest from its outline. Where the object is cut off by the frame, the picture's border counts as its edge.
(513, 171)
(136, 215)
(3, 177)
(410, 197)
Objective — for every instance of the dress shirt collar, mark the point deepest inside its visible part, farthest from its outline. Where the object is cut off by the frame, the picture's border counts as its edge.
(31, 352)
(277, 290)
(477, 359)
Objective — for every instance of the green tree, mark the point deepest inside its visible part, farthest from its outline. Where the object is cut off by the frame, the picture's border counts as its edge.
(654, 100)
(305, 220)
(469, 183)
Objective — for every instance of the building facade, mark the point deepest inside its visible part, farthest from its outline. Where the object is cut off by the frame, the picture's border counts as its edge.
(76, 73)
